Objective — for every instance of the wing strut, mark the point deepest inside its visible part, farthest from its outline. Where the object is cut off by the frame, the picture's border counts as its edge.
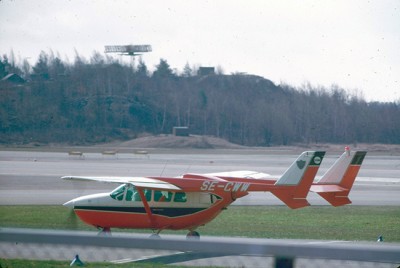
(146, 207)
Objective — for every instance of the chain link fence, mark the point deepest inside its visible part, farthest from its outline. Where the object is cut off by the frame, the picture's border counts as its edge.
(209, 251)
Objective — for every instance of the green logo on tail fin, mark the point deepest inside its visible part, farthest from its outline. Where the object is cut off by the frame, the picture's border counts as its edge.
(301, 164)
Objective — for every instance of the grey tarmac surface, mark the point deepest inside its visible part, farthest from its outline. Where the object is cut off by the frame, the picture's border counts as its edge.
(35, 177)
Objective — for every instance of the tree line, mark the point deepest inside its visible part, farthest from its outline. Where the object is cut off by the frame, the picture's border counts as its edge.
(102, 99)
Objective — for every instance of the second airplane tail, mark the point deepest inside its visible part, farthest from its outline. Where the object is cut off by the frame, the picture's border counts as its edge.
(335, 185)
(292, 188)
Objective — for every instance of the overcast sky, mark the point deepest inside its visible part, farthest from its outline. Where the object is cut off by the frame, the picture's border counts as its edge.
(354, 44)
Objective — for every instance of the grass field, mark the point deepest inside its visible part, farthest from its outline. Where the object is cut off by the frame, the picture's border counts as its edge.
(355, 223)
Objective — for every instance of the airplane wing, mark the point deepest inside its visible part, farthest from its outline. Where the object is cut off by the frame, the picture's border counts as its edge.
(326, 188)
(243, 174)
(137, 181)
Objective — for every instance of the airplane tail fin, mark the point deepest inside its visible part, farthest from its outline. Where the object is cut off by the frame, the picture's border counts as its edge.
(335, 185)
(293, 186)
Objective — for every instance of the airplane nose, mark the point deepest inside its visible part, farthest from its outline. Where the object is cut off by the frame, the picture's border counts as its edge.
(69, 204)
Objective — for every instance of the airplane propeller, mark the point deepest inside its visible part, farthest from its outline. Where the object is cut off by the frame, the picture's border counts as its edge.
(72, 220)
(78, 188)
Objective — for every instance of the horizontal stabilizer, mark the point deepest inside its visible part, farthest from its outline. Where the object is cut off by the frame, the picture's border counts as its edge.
(336, 199)
(289, 201)
(327, 188)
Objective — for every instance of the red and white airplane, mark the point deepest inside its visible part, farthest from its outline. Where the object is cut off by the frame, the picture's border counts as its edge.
(192, 200)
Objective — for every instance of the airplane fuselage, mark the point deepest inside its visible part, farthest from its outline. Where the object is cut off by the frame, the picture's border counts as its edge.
(158, 210)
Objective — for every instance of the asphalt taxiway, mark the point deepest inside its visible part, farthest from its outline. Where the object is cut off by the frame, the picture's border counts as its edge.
(32, 177)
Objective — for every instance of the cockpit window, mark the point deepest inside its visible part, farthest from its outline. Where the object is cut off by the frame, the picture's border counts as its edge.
(132, 194)
(162, 196)
(127, 190)
(180, 197)
(147, 194)
(118, 193)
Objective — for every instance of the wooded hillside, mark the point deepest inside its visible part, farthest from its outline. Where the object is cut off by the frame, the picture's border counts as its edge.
(101, 99)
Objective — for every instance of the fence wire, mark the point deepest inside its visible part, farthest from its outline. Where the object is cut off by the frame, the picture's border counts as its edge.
(224, 252)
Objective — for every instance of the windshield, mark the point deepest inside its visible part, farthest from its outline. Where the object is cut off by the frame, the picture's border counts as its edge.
(128, 192)
(118, 193)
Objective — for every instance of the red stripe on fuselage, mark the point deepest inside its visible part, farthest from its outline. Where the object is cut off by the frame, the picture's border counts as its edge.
(111, 219)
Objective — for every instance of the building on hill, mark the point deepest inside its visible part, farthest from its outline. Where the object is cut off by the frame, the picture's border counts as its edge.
(206, 71)
(180, 131)
(13, 78)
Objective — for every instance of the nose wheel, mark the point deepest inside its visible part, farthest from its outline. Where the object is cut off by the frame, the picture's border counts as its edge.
(193, 235)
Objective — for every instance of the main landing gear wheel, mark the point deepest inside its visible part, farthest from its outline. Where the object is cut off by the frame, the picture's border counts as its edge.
(193, 235)
(106, 231)
(155, 236)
